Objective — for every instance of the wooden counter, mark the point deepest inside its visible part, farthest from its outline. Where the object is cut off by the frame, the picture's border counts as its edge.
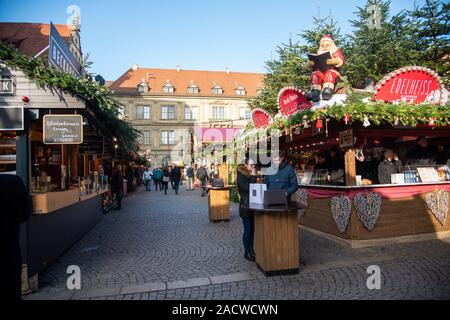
(276, 240)
(219, 204)
(51, 201)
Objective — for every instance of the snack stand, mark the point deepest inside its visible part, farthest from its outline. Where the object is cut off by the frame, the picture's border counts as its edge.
(415, 203)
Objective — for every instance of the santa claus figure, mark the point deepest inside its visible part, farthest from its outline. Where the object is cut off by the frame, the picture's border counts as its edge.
(324, 82)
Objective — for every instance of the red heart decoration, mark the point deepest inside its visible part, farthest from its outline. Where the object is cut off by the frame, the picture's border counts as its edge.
(261, 119)
(291, 100)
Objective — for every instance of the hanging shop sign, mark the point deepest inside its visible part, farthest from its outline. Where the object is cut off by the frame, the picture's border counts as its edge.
(346, 138)
(92, 145)
(261, 118)
(11, 118)
(63, 129)
(413, 85)
(291, 100)
(60, 56)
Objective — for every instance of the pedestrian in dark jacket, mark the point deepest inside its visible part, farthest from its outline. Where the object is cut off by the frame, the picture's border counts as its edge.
(175, 175)
(16, 209)
(166, 179)
(284, 179)
(246, 174)
(390, 165)
(202, 175)
(117, 185)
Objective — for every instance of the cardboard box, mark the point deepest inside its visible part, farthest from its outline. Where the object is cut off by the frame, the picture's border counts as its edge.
(257, 193)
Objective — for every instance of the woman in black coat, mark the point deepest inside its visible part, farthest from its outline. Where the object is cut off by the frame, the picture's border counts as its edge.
(246, 174)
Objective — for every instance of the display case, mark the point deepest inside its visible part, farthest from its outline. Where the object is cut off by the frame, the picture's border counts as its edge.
(7, 152)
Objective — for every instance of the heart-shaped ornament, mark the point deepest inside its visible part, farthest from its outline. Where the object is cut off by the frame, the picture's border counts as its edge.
(302, 201)
(261, 118)
(437, 202)
(368, 208)
(291, 100)
(341, 208)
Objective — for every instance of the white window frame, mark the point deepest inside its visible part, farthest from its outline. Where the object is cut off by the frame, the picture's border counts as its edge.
(189, 113)
(165, 115)
(146, 137)
(240, 91)
(217, 90)
(245, 114)
(143, 88)
(168, 89)
(216, 115)
(193, 89)
(167, 137)
(146, 112)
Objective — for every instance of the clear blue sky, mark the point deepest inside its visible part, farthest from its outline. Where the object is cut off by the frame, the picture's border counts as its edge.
(196, 34)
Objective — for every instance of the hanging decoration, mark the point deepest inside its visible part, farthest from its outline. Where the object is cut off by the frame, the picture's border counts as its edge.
(261, 118)
(347, 118)
(432, 122)
(366, 121)
(341, 209)
(437, 202)
(319, 124)
(368, 208)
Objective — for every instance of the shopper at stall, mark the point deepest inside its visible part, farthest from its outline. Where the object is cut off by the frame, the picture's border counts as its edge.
(337, 167)
(390, 165)
(421, 154)
(175, 175)
(147, 178)
(165, 179)
(202, 176)
(16, 209)
(246, 174)
(284, 179)
(117, 185)
(190, 178)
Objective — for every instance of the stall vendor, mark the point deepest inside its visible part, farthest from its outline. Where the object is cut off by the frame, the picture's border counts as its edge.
(421, 154)
(285, 177)
(390, 165)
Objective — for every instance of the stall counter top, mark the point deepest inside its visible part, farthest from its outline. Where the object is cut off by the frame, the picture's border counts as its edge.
(260, 208)
(374, 185)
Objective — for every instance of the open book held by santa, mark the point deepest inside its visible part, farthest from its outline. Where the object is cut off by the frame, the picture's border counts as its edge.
(323, 82)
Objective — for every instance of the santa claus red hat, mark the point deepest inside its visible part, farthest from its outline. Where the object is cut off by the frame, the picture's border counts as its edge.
(327, 37)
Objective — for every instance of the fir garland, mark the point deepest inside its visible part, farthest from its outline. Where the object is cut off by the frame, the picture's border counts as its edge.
(94, 94)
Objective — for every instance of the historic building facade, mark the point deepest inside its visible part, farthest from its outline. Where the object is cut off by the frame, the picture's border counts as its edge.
(175, 108)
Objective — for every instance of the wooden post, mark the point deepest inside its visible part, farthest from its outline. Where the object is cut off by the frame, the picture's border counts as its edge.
(350, 167)
(223, 173)
(74, 164)
(85, 165)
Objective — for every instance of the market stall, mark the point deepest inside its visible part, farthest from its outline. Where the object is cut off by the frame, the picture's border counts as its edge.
(373, 166)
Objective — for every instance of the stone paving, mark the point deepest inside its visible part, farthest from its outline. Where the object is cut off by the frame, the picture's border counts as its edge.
(163, 247)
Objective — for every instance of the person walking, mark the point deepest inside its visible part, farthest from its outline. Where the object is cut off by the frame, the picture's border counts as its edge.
(246, 174)
(175, 176)
(147, 178)
(202, 176)
(284, 179)
(190, 178)
(157, 176)
(165, 179)
(16, 209)
(117, 185)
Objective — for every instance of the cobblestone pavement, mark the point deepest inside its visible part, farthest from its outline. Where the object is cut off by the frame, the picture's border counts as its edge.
(163, 247)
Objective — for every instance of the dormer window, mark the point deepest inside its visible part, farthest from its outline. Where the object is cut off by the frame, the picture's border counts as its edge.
(143, 87)
(193, 89)
(240, 91)
(217, 90)
(168, 88)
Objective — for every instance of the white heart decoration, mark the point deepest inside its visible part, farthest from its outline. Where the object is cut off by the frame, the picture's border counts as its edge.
(302, 199)
(437, 202)
(368, 208)
(341, 208)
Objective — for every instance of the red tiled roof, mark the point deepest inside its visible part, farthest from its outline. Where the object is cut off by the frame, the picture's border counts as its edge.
(30, 38)
(181, 80)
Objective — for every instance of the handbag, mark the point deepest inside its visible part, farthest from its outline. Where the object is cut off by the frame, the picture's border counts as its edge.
(166, 179)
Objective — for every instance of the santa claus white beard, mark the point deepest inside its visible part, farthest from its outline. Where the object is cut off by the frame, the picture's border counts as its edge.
(332, 51)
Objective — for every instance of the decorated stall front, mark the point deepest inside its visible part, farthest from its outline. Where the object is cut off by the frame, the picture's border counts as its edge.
(370, 166)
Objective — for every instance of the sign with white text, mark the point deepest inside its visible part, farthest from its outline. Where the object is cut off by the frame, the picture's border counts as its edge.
(63, 129)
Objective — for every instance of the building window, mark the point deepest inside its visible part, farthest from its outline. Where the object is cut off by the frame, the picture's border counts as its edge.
(218, 113)
(193, 89)
(167, 137)
(168, 88)
(143, 88)
(168, 112)
(146, 138)
(245, 114)
(218, 90)
(240, 91)
(143, 112)
(190, 113)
